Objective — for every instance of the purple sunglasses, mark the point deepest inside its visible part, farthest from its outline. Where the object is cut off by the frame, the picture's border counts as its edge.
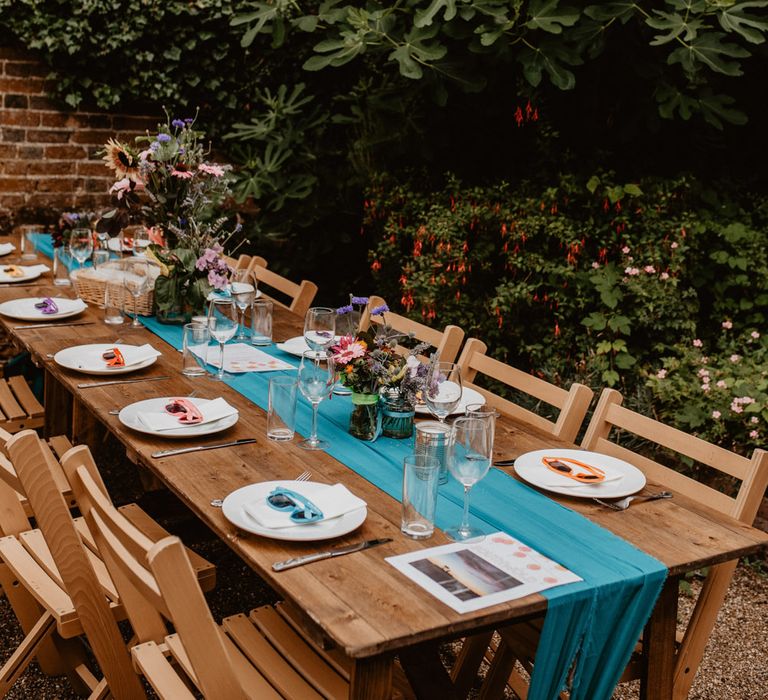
(47, 306)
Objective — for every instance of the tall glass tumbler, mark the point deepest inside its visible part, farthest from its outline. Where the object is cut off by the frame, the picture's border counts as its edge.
(281, 410)
(197, 337)
(420, 480)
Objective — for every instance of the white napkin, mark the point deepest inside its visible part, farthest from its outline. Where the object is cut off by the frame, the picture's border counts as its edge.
(6, 248)
(134, 355)
(32, 269)
(333, 502)
(565, 482)
(212, 411)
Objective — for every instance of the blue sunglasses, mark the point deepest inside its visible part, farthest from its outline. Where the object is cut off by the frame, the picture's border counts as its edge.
(303, 510)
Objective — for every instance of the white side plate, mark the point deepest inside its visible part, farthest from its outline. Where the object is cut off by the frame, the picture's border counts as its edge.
(5, 278)
(232, 508)
(88, 359)
(25, 310)
(530, 468)
(468, 397)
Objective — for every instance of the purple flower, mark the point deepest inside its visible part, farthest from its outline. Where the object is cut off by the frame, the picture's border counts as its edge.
(217, 280)
(164, 138)
(344, 310)
(189, 120)
(362, 301)
(154, 146)
(178, 123)
(380, 310)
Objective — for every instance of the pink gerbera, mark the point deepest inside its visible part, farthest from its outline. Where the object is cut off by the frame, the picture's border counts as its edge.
(215, 170)
(348, 349)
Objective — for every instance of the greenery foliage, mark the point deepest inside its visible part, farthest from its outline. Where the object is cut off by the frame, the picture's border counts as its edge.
(592, 280)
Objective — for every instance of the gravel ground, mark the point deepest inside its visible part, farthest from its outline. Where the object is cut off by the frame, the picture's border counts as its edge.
(735, 666)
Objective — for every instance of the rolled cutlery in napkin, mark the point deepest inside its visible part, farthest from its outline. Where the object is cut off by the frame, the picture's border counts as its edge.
(334, 501)
(211, 410)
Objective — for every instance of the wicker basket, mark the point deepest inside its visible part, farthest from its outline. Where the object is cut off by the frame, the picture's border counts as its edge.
(91, 286)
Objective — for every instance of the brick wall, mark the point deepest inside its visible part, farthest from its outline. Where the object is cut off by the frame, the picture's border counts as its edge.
(48, 154)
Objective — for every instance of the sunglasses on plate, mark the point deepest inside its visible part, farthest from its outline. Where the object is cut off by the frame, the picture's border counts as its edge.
(573, 469)
(114, 357)
(302, 509)
(13, 271)
(47, 306)
(185, 410)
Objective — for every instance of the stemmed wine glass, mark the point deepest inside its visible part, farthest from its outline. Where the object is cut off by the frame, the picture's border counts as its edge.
(443, 392)
(320, 328)
(137, 281)
(469, 461)
(316, 377)
(243, 290)
(81, 245)
(223, 316)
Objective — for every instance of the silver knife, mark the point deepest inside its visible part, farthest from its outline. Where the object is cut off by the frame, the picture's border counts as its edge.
(88, 385)
(48, 325)
(319, 556)
(198, 448)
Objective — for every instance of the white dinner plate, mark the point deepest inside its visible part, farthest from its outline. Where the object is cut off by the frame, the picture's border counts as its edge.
(6, 249)
(468, 396)
(232, 508)
(297, 346)
(88, 359)
(129, 418)
(28, 275)
(530, 468)
(25, 310)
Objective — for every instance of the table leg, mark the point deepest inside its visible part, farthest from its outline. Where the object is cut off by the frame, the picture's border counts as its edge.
(371, 678)
(659, 645)
(58, 408)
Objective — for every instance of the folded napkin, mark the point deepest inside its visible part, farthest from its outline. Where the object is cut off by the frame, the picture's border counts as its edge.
(134, 355)
(6, 248)
(211, 410)
(333, 502)
(32, 269)
(564, 482)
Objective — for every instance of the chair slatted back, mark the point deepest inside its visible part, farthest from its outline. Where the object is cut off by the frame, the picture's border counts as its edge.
(572, 403)
(300, 295)
(161, 578)
(446, 342)
(753, 474)
(72, 561)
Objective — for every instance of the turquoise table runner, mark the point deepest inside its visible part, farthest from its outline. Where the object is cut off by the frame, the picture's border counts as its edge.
(597, 622)
(591, 626)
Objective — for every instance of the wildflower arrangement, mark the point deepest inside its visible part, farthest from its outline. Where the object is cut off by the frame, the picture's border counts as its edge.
(69, 221)
(192, 269)
(368, 362)
(164, 180)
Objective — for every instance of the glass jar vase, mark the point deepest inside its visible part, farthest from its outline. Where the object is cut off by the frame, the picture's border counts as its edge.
(365, 419)
(396, 415)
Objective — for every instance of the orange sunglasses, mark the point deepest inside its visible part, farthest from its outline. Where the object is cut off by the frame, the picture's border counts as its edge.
(585, 473)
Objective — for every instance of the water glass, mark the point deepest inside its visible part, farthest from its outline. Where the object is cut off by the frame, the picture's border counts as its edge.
(281, 411)
(100, 258)
(81, 244)
(137, 280)
(223, 321)
(487, 413)
(261, 322)
(243, 290)
(141, 241)
(196, 338)
(316, 378)
(61, 262)
(420, 480)
(27, 245)
(113, 302)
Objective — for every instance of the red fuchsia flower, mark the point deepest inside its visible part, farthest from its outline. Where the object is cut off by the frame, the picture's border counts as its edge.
(215, 170)
(348, 349)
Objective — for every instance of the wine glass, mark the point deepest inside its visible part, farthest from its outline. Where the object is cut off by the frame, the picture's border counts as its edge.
(81, 245)
(137, 280)
(469, 461)
(316, 377)
(141, 241)
(320, 327)
(223, 316)
(243, 290)
(443, 391)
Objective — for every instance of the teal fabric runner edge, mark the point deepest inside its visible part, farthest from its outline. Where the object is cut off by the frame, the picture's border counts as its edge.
(597, 622)
(591, 626)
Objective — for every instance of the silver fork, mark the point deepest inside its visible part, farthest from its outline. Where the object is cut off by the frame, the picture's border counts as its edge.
(304, 476)
(623, 504)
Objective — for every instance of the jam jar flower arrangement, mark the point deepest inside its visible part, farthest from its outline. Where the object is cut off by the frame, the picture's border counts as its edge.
(384, 383)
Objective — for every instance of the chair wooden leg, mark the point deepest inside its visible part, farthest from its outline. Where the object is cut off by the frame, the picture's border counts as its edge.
(498, 674)
(468, 662)
(25, 652)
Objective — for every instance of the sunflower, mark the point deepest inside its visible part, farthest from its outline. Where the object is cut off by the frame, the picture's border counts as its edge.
(121, 160)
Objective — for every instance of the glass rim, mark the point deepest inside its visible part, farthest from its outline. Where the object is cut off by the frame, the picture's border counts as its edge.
(422, 460)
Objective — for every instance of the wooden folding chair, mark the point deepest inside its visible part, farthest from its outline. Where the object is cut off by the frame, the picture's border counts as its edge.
(610, 418)
(244, 261)
(572, 403)
(300, 296)
(256, 656)
(54, 579)
(19, 409)
(446, 342)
